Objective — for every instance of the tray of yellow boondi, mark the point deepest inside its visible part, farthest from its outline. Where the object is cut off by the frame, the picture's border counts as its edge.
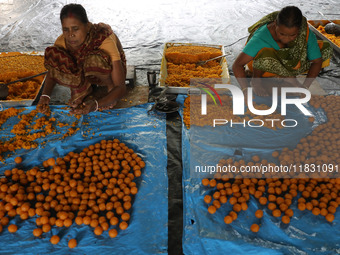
(179, 65)
(16, 65)
(318, 27)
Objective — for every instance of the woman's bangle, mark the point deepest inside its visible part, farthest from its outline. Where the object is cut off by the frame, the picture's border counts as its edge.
(244, 89)
(96, 105)
(46, 96)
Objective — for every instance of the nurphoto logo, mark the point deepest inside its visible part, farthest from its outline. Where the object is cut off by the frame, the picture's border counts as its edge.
(238, 100)
(242, 103)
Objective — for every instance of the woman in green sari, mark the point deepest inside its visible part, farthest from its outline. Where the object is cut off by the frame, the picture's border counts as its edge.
(281, 45)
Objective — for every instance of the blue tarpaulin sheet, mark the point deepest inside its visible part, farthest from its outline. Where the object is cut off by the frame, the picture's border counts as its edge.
(205, 233)
(145, 134)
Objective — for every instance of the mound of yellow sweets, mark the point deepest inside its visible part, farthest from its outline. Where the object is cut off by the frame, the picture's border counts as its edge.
(16, 66)
(182, 64)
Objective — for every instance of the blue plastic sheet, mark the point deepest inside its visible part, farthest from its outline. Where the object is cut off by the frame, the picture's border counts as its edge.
(147, 232)
(208, 234)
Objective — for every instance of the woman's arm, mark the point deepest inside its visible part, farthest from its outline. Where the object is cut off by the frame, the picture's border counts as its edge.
(315, 58)
(240, 74)
(313, 72)
(44, 100)
(238, 68)
(116, 90)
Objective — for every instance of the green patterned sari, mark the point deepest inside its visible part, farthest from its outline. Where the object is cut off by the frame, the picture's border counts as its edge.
(290, 61)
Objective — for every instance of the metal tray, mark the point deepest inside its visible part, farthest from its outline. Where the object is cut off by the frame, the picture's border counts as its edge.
(314, 24)
(184, 90)
(22, 102)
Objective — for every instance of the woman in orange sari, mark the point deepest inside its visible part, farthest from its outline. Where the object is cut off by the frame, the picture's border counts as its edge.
(89, 59)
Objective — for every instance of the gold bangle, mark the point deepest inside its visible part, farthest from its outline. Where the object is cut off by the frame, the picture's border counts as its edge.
(244, 89)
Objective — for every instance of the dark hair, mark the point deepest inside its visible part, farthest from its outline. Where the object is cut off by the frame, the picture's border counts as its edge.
(74, 10)
(289, 16)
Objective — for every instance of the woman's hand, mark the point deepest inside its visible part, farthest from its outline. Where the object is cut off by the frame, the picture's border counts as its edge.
(43, 104)
(85, 107)
(75, 103)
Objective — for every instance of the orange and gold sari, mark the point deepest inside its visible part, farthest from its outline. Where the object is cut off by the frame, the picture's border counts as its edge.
(70, 68)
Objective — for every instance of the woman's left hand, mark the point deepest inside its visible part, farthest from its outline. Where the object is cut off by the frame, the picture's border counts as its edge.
(85, 107)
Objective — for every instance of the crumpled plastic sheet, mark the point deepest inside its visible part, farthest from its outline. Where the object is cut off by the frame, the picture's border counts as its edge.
(147, 231)
(208, 234)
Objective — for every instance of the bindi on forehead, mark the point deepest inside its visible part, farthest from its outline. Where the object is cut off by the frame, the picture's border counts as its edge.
(71, 21)
(70, 15)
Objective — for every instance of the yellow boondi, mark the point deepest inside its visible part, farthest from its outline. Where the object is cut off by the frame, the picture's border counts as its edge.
(331, 37)
(190, 54)
(180, 75)
(16, 66)
(30, 128)
(182, 66)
